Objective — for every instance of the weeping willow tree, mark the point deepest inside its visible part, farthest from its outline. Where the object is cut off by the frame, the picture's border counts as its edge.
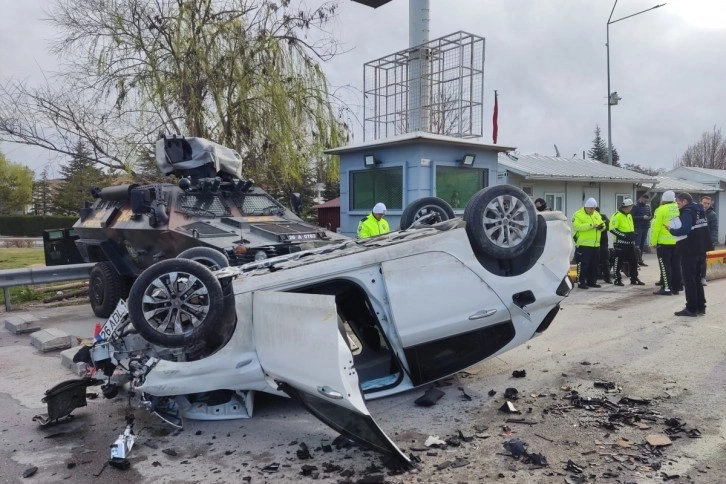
(243, 73)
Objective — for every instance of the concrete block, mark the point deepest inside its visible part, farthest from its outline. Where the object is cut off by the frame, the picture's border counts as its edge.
(22, 323)
(51, 339)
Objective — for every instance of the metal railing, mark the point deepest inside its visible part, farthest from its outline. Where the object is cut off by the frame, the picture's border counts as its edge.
(41, 275)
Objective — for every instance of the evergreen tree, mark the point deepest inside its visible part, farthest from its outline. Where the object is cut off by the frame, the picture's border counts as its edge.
(80, 175)
(599, 150)
(332, 190)
(42, 197)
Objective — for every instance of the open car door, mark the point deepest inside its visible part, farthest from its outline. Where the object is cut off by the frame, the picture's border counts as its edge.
(300, 347)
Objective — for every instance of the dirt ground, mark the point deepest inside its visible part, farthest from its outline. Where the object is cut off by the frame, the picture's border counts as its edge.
(672, 371)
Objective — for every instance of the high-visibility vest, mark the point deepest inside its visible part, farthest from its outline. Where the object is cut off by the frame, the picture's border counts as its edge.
(584, 225)
(658, 233)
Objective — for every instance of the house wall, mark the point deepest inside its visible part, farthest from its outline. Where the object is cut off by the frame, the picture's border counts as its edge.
(719, 197)
(419, 161)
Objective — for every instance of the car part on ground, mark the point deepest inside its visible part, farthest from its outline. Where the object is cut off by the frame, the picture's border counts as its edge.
(63, 398)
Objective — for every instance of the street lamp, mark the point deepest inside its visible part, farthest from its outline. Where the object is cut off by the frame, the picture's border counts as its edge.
(613, 97)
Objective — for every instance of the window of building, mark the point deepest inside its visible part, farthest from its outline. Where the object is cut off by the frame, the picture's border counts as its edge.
(555, 201)
(457, 185)
(528, 189)
(368, 187)
(619, 199)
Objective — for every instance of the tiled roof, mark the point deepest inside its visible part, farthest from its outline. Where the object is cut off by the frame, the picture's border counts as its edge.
(541, 167)
(334, 203)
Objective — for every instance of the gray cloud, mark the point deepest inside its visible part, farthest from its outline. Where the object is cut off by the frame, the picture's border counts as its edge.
(545, 57)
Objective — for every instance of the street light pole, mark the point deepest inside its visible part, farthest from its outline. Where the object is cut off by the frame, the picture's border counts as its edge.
(612, 99)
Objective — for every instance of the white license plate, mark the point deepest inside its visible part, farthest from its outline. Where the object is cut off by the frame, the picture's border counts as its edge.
(114, 321)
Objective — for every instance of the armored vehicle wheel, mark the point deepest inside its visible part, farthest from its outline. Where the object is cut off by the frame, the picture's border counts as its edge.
(431, 209)
(175, 303)
(211, 258)
(501, 222)
(105, 288)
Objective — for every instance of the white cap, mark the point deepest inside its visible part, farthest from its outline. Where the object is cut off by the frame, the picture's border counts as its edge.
(668, 196)
(379, 208)
(627, 203)
(591, 203)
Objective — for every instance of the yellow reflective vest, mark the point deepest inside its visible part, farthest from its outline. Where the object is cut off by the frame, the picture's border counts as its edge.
(658, 233)
(621, 224)
(369, 227)
(585, 227)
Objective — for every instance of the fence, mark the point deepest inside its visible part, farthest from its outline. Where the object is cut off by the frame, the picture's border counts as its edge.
(40, 275)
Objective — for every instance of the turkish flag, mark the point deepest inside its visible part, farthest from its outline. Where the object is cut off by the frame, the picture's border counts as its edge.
(495, 124)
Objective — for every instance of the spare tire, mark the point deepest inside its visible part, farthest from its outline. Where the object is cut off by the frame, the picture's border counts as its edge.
(211, 258)
(175, 303)
(437, 208)
(501, 222)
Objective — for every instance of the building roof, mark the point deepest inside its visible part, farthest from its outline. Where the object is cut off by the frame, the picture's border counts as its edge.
(334, 203)
(541, 167)
(679, 185)
(422, 136)
(720, 174)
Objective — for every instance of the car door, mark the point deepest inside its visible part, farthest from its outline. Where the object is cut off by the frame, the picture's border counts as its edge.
(447, 318)
(301, 348)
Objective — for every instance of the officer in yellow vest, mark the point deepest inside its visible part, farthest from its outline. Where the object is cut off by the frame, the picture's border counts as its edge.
(621, 225)
(374, 223)
(669, 259)
(587, 226)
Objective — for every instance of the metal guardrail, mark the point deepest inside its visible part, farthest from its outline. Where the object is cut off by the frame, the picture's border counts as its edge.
(41, 275)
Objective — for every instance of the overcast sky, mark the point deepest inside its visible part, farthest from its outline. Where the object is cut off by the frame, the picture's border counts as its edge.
(546, 58)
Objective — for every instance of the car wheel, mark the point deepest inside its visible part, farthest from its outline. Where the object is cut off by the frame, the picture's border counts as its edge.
(430, 210)
(175, 302)
(211, 258)
(501, 222)
(105, 288)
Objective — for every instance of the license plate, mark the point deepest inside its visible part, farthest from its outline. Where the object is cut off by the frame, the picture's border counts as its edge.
(114, 321)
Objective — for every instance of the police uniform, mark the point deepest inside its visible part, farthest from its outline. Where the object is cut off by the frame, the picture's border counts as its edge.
(370, 226)
(587, 228)
(621, 225)
(669, 260)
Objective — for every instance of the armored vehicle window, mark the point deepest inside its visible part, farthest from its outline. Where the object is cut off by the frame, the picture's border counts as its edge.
(201, 205)
(257, 204)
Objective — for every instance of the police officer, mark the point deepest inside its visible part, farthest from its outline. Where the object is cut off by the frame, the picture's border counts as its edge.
(693, 225)
(621, 225)
(665, 244)
(374, 223)
(587, 225)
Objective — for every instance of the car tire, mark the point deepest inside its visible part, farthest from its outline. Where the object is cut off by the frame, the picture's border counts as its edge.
(211, 258)
(167, 311)
(104, 288)
(424, 206)
(501, 222)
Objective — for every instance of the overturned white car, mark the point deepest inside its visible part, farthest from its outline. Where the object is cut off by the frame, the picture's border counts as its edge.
(334, 326)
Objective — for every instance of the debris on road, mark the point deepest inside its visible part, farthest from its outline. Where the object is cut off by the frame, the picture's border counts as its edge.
(429, 398)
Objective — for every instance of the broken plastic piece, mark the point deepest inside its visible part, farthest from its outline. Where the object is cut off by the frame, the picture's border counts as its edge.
(121, 448)
(429, 398)
(433, 440)
(519, 373)
(515, 447)
(508, 407)
(511, 393)
(274, 467)
(608, 385)
(63, 398)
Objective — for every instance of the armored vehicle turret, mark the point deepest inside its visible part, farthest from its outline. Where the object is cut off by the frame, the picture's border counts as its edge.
(130, 227)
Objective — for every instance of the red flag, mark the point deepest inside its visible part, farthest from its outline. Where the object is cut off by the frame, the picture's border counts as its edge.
(495, 125)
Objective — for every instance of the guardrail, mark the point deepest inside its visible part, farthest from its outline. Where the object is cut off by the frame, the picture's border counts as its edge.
(40, 275)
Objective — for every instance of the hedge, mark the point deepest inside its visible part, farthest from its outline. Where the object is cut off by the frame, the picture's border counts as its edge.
(32, 225)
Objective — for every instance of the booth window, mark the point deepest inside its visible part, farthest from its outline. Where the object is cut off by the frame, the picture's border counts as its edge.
(457, 185)
(368, 187)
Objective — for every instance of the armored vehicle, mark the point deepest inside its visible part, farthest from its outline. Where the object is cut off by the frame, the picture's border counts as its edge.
(130, 227)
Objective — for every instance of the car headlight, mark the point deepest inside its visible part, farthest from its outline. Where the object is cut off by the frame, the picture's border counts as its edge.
(260, 255)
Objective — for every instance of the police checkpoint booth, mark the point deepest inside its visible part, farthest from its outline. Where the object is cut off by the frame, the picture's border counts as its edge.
(401, 169)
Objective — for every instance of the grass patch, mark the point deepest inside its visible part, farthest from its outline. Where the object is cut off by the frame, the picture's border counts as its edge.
(15, 258)
(19, 258)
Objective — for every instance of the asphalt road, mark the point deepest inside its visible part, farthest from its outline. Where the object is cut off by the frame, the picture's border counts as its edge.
(624, 335)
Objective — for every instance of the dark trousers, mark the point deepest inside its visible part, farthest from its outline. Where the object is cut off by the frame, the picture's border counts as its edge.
(641, 238)
(604, 263)
(669, 262)
(587, 264)
(695, 297)
(626, 253)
